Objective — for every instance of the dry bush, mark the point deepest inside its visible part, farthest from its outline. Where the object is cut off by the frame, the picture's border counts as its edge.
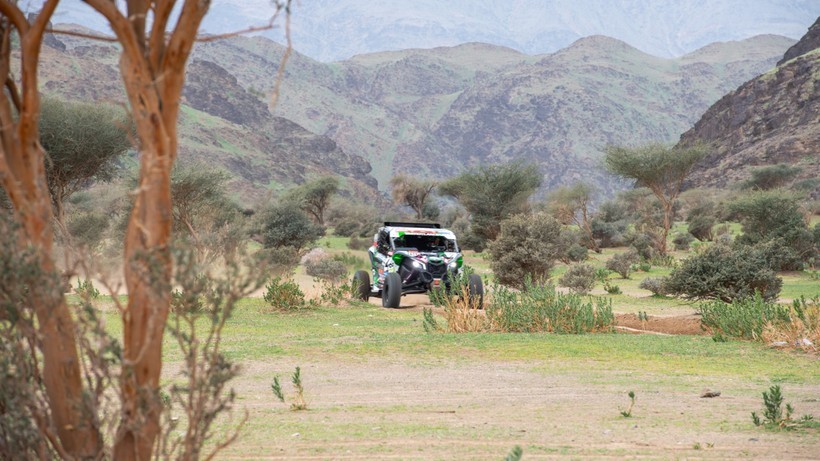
(802, 331)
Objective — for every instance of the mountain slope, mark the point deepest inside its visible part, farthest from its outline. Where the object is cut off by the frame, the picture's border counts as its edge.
(222, 123)
(427, 112)
(774, 118)
(563, 109)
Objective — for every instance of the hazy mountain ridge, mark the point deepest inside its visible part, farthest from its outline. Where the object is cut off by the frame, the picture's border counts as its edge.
(432, 112)
(444, 109)
(336, 30)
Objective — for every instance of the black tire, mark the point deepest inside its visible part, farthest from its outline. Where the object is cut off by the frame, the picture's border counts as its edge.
(361, 283)
(476, 287)
(391, 293)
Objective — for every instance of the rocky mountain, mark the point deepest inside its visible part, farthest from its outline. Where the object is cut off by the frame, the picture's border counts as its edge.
(771, 119)
(334, 30)
(222, 123)
(427, 112)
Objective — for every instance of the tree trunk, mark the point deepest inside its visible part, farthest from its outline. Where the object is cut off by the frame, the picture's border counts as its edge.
(147, 271)
(22, 174)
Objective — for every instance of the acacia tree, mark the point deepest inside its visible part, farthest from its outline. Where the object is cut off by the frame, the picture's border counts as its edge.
(661, 169)
(571, 204)
(70, 424)
(313, 197)
(493, 193)
(413, 192)
(83, 142)
(152, 64)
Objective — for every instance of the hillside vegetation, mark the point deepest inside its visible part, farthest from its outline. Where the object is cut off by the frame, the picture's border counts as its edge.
(437, 110)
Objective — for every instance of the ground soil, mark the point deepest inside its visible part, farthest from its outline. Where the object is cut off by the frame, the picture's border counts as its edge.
(456, 408)
(391, 409)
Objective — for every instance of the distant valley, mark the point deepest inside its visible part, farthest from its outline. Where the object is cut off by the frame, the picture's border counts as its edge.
(426, 112)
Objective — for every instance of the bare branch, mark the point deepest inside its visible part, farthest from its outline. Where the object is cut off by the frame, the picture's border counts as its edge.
(73, 33)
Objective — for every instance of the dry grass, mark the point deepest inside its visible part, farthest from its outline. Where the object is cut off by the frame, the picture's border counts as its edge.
(801, 332)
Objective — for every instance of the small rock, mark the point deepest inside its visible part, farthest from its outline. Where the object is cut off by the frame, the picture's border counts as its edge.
(779, 344)
(295, 434)
(707, 394)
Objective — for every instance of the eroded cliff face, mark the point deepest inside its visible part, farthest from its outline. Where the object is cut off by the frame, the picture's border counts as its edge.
(771, 119)
(809, 42)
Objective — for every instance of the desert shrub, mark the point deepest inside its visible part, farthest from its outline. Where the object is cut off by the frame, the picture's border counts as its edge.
(612, 289)
(540, 308)
(283, 294)
(331, 292)
(326, 268)
(775, 418)
(279, 260)
(742, 318)
(610, 224)
(779, 256)
(349, 259)
(356, 243)
(666, 260)
(579, 278)
(700, 226)
(622, 262)
(770, 177)
(643, 266)
(644, 243)
(527, 246)
(654, 284)
(802, 331)
(774, 215)
(725, 273)
(682, 241)
(286, 225)
(467, 240)
(346, 227)
(577, 252)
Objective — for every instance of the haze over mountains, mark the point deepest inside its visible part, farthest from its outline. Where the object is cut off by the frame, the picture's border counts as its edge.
(331, 30)
(427, 112)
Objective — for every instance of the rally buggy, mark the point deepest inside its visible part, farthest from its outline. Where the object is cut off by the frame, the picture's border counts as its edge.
(410, 258)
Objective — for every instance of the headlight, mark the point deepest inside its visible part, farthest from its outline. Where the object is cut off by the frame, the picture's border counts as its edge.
(418, 265)
(453, 266)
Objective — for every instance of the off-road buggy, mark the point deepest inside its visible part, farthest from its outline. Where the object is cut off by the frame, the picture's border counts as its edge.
(410, 258)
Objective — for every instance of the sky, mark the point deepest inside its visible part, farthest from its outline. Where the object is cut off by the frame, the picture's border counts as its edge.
(329, 30)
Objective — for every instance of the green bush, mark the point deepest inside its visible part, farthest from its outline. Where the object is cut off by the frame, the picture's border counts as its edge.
(682, 241)
(284, 295)
(622, 262)
(577, 253)
(657, 285)
(725, 273)
(770, 177)
(579, 278)
(642, 242)
(527, 246)
(743, 318)
(775, 215)
(700, 227)
(286, 225)
(540, 308)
